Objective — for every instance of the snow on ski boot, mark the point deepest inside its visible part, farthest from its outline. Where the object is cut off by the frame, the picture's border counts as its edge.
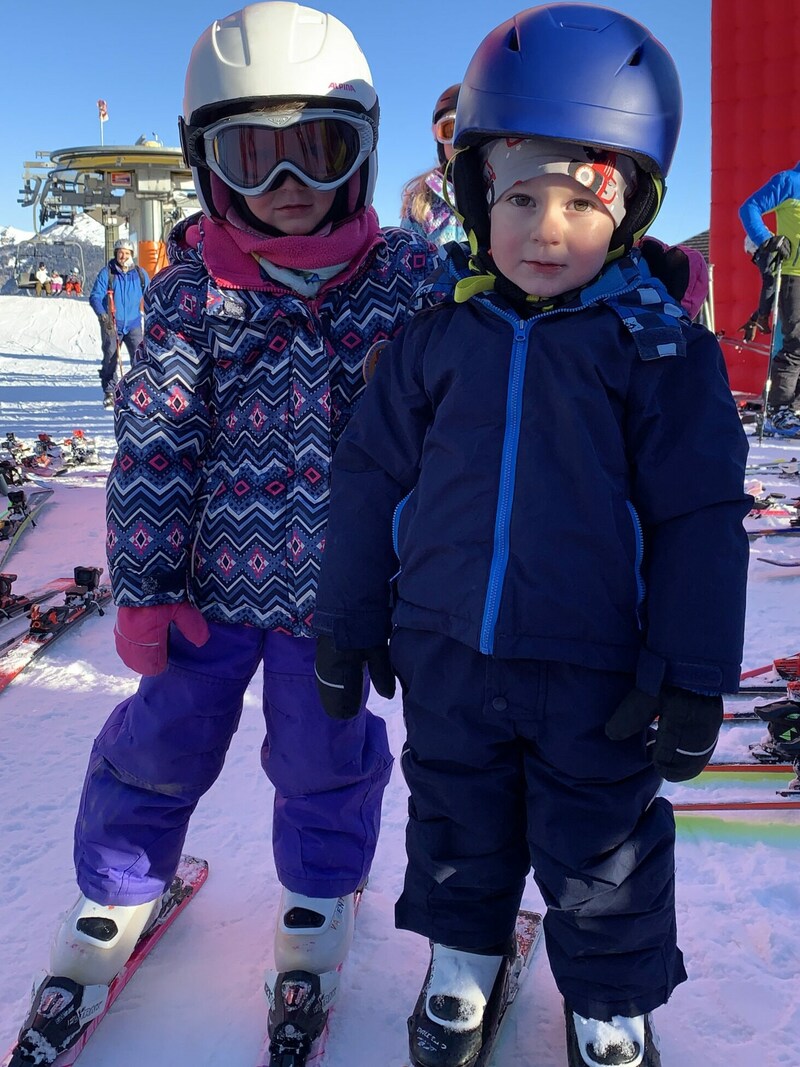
(458, 1007)
(622, 1042)
(91, 947)
(60, 1012)
(312, 939)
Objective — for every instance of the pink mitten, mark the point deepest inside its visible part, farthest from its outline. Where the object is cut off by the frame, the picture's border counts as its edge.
(141, 634)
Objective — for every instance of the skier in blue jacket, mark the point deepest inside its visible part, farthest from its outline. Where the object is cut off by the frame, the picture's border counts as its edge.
(540, 501)
(116, 298)
(780, 194)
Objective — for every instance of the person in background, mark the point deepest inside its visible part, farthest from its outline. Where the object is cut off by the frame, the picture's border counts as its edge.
(426, 205)
(537, 640)
(117, 298)
(780, 194)
(73, 286)
(251, 366)
(56, 282)
(42, 281)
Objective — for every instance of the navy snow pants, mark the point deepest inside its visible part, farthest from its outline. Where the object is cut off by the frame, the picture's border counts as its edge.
(509, 767)
(110, 370)
(164, 747)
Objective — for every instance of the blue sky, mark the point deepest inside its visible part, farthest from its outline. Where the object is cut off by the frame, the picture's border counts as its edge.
(134, 55)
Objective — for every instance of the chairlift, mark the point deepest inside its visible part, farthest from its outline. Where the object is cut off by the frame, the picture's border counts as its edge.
(56, 255)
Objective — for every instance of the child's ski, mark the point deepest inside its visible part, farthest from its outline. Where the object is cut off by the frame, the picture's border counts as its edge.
(189, 877)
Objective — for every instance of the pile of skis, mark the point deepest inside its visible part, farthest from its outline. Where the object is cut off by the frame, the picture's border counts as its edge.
(46, 614)
(47, 458)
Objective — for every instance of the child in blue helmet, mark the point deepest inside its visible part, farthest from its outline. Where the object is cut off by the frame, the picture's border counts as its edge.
(251, 365)
(511, 506)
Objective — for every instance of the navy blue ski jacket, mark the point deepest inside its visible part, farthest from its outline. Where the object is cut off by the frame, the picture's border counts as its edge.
(563, 487)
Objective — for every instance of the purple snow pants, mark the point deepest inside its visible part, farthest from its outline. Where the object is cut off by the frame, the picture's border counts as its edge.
(164, 747)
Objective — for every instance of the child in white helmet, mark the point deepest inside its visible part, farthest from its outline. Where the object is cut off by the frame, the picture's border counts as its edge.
(250, 369)
(511, 506)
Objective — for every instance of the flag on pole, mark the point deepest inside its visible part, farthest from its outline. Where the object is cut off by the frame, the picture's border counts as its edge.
(102, 109)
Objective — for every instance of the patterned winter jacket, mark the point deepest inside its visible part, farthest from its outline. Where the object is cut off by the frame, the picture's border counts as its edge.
(566, 486)
(226, 425)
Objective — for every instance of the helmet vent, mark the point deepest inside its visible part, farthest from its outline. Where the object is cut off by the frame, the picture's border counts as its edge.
(636, 58)
(513, 41)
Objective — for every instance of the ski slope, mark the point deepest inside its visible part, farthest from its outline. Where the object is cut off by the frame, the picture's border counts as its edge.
(198, 999)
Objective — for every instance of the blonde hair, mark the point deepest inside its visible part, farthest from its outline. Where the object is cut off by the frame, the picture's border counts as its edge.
(417, 198)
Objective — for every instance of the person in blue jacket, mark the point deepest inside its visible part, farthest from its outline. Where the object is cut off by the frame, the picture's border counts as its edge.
(117, 299)
(540, 501)
(780, 194)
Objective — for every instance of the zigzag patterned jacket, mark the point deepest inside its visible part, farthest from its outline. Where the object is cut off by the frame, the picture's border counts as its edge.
(226, 425)
(563, 487)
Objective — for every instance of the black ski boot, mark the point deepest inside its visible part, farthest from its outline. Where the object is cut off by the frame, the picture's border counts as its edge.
(448, 1030)
(299, 1002)
(61, 1011)
(620, 1043)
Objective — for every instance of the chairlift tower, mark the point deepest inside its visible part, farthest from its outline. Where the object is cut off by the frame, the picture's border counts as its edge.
(146, 185)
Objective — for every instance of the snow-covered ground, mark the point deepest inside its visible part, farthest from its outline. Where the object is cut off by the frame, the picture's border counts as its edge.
(198, 998)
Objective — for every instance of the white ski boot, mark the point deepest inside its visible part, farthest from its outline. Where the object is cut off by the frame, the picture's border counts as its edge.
(95, 941)
(312, 939)
(622, 1042)
(313, 933)
(457, 1007)
(91, 947)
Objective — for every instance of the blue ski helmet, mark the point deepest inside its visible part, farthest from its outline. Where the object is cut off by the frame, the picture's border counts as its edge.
(577, 73)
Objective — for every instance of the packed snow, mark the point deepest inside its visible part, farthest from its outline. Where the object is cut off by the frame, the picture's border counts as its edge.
(198, 998)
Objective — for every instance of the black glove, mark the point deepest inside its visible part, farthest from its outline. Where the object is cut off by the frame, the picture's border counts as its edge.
(688, 727)
(772, 252)
(106, 322)
(340, 676)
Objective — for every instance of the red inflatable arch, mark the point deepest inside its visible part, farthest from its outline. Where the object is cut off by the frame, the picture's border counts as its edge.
(755, 124)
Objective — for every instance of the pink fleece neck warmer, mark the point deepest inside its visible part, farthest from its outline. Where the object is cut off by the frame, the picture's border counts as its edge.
(229, 252)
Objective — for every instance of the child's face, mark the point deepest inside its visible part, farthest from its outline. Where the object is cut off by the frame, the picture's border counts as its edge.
(549, 234)
(293, 208)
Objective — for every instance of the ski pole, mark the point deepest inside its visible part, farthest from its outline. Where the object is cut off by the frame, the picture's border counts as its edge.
(771, 354)
(113, 312)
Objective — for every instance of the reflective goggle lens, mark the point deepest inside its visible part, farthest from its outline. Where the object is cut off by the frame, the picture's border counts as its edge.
(444, 128)
(323, 149)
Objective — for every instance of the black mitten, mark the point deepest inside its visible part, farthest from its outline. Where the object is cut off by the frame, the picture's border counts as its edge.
(772, 252)
(340, 676)
(688, 727)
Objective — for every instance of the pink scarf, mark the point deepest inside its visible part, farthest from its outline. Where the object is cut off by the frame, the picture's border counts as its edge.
(229, 252)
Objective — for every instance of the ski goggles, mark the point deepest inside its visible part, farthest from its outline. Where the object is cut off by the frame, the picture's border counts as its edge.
(323, 149)
(445, 127)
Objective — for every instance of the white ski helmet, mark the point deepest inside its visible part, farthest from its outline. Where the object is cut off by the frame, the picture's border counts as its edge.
(264, 55)
(123, 242)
